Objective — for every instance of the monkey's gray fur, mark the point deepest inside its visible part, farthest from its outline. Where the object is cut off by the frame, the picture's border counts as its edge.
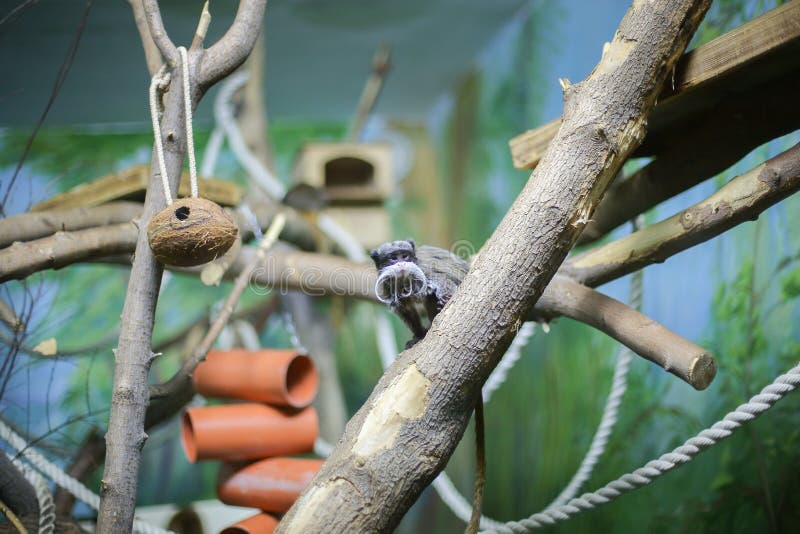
(416, 282)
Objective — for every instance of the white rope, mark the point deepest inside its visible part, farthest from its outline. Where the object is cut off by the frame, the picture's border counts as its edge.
(508, 360)
(187, 109)
(211, 152)
(223, 114)
(57, 475)
(47, 509)
(653, 469)
(157, 84)
(609, 418)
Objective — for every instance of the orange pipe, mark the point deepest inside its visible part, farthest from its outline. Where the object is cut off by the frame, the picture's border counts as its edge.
(246, 431)
(282, 377)
(257, 524)
(271, 485)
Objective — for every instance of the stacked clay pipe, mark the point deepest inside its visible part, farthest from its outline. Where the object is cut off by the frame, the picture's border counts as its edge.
(254, 436)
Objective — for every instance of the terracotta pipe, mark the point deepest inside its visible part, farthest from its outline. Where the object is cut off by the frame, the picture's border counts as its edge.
(246, 431)
(282, 377)
(271, 485)
(257, 524)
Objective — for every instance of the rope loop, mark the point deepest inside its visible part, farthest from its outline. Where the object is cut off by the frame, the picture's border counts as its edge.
(158, 85)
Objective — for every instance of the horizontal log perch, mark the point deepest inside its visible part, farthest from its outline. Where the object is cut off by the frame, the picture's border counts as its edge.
(741, 199)
(65, 248)
(35, 225)
(644, 336)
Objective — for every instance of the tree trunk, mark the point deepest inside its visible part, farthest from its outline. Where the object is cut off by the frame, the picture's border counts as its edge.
(126, 436)
(405, 432)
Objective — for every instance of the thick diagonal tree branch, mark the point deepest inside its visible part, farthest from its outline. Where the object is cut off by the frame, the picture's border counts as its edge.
(405, 432)
(126, 436)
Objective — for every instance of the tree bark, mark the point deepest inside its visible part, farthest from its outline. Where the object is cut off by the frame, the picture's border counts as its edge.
(35, 225)
(126, 436)
(711, 143)
(405, 432)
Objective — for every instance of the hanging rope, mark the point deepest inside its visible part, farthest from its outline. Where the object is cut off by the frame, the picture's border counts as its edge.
(618, 386)
(653, 469)
(57, 475)
(272, 186)
(157, 85)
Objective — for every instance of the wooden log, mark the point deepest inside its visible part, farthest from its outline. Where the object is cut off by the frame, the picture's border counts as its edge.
(131, 184)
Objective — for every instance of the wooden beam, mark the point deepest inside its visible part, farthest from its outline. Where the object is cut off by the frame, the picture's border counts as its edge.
(131, 184)
(755, 41)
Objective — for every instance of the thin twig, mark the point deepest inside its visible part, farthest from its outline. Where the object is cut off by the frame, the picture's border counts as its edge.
(158, 33)
(13, 518)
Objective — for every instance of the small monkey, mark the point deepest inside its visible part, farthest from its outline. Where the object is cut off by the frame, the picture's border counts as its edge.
(416, 282)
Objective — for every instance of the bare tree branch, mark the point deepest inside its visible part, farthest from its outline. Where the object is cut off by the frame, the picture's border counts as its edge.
(644, 336)
(130, 396)
(717, 139)
(29, 226)
(157, 32)
(65, 248)
(741, 199)
(152, 54)
(232, 49)
(405, 432)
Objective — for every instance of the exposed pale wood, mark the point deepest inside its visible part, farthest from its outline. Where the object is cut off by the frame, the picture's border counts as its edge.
(725, 55)
(131, 184)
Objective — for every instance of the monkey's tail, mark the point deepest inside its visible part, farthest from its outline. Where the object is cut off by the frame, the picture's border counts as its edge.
(480, 468)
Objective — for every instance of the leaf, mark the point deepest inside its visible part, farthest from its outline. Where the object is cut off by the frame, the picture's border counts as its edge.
(48, 347)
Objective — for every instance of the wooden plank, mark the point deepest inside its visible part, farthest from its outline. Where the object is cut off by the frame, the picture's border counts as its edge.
(131, 184)
(716, 59)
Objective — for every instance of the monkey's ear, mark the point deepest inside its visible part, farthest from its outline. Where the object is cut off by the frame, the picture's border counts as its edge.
(411, 242)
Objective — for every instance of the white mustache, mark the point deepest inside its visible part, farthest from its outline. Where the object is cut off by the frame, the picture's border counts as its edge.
(398, 281)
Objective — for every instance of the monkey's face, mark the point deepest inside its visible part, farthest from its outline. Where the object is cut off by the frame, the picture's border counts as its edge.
(399, 276)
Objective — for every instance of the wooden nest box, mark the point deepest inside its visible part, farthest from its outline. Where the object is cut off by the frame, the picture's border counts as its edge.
(356, 179)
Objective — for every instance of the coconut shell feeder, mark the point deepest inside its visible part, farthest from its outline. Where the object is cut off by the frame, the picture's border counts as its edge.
(191, 231)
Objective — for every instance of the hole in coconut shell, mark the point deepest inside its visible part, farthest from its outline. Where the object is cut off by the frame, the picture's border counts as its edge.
(182, 213)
